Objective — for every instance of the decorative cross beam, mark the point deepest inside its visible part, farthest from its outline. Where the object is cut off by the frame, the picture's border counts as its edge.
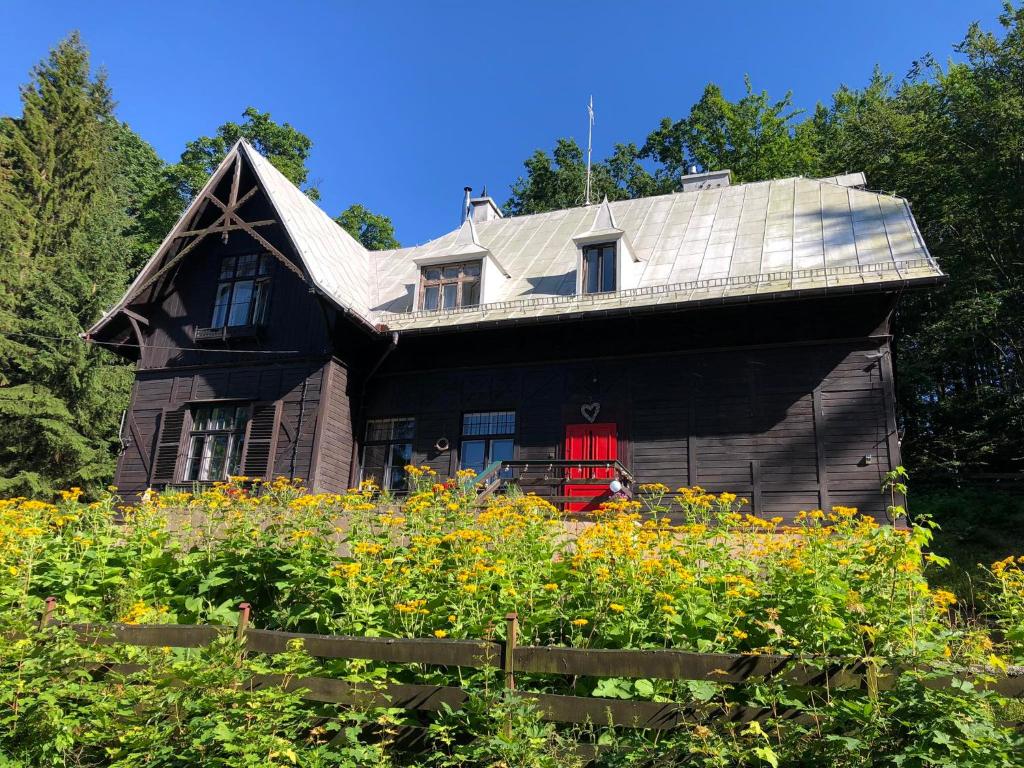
(228, 221)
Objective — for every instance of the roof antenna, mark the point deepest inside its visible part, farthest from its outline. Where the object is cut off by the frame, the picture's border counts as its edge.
(590, 146)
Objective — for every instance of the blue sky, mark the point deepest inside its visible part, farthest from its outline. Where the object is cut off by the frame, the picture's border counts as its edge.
(407, 103)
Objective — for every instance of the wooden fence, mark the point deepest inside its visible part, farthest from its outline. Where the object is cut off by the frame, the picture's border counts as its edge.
(514, 659)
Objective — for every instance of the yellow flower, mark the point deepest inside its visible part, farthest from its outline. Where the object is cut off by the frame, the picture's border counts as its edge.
(580, 622)
(617, 608)
(551, 587)
(13, 570)
(439, 633)
(471, 588)
(739, 634)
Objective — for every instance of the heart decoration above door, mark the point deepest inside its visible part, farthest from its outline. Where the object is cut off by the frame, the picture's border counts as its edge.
(590, 411)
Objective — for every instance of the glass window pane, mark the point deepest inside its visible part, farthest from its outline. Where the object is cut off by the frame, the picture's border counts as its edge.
(432, 273)
(472, 269)
(265, 265)
(227, 267)
(217, 449)
(608, 269)
(373, 463)
(430, 295)
(450, 273)
(235, 456)
(591, 271)
(247, 265)
(220, 305)
(241, 416)
(472, 455)
(201, 418)
(240, 302)
(404, 428)
(471, 293)
(260, 303)
(450, 294)
(401, 457)
(195, 458)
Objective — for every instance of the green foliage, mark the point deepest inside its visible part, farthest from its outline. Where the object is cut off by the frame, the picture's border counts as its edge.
(284, 146)
(71, 248)
(558, 180)
(407, 570)
(373, 230)
(754, 137)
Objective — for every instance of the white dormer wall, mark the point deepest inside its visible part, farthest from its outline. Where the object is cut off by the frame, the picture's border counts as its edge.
(628, 268)
(467, 247)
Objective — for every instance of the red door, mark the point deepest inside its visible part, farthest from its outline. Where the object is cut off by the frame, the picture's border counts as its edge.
(589, 442)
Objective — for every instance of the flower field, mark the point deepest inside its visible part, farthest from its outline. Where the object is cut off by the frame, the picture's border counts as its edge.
(683, 570)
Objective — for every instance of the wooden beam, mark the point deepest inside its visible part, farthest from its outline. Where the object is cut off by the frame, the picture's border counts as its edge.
(228, 227)
(817, 400)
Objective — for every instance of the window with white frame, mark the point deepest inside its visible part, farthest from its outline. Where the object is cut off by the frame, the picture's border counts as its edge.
(215, 442)
(243, 291)
(387, 451)
(599, 268)
(487, 437)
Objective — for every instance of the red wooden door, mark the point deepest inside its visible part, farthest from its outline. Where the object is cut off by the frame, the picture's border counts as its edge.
(589, 442)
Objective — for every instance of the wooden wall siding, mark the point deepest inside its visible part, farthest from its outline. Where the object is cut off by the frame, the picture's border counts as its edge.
(722, 420)
(332, 450)
(297, 385)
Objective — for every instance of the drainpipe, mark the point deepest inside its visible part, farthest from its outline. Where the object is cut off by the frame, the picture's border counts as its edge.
(354, 464)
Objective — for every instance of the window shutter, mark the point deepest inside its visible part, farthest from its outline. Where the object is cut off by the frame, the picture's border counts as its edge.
(260, 439)
(168, 446)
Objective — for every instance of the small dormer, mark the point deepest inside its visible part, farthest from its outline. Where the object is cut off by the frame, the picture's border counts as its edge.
(605, 260)
(465, 274)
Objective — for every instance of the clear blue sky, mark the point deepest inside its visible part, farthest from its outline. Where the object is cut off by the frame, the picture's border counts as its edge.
(406, 103)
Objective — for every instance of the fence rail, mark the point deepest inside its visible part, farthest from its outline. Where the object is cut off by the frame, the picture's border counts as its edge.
(514, 659)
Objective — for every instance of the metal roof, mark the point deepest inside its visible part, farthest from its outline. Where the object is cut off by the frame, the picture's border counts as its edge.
(785, 237)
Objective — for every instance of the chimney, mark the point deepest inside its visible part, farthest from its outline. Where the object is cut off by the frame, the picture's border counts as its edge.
(466, 203)
(484, 208)
(693, 181)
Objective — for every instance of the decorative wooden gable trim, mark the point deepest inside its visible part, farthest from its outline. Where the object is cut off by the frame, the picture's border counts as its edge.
(185, 239)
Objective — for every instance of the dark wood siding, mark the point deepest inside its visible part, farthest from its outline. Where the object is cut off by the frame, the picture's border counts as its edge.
(334, 445)
(295, 385)
(736, 418)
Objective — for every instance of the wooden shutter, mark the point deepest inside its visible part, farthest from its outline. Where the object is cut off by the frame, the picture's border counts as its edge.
(168, 446)
(260, 440)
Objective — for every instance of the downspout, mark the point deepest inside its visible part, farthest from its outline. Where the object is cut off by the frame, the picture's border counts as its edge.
(354, 463)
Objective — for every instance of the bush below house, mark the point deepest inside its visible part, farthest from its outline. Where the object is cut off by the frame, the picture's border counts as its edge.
(684, 570)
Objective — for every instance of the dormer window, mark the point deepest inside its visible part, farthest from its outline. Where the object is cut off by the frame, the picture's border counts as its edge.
(448, 286)
(243, 292)
(599, 268)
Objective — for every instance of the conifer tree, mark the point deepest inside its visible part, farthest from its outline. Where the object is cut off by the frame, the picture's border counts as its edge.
(69, 252)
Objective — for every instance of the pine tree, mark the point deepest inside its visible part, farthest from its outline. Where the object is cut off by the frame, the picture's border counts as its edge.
(70, 254)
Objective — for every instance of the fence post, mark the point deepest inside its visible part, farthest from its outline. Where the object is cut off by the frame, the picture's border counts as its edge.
(48, 611)
(511, 640)
(243, 620)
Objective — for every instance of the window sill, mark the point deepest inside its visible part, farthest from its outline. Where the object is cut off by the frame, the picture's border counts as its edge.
(213, 335)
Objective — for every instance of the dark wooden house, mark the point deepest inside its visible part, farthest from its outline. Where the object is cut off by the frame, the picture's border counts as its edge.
(735, 337)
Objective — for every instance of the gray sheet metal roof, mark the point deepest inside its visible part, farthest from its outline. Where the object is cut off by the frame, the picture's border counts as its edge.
(782, 237)
(764, 238)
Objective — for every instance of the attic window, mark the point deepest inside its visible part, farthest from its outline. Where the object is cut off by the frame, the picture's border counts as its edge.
(447, 286)
(242, 291)
(599, 268)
